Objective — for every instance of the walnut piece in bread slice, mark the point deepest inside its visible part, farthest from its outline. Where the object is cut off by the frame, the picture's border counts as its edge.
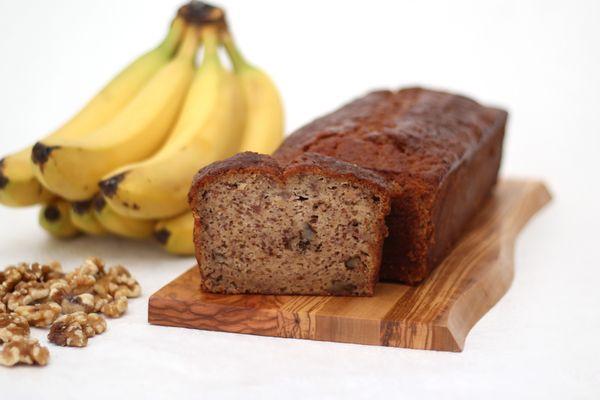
(313, 227)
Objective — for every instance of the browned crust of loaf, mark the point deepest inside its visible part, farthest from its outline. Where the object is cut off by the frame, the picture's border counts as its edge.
(251, 163)
(311, 163)
(431, 145)
(373, 118)
(333, 167)
(247, 161)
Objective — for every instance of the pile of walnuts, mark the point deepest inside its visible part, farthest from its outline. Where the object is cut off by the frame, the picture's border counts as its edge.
(70, 304)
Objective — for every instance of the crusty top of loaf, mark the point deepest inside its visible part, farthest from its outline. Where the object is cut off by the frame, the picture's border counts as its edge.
(334, 167)
(415, 133)
(250, 162)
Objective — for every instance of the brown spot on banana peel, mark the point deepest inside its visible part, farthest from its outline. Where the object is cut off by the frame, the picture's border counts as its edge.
(110, 186)
(3, 178)
(162, 236)
(99, 203)
(40, 153)
(52, 213)
(81, 207)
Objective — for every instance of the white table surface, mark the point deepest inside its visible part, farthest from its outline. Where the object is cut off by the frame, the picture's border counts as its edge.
(539, 59)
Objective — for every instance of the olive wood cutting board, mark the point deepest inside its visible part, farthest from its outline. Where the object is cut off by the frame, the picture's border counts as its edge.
(437, 315)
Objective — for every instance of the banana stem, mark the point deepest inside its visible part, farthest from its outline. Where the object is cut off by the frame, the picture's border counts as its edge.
(188, 48)
(237, 59)
(210, 40)
(173, 38)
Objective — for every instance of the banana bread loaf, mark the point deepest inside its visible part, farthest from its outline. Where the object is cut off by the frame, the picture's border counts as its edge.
(316, 226)
(443, 152)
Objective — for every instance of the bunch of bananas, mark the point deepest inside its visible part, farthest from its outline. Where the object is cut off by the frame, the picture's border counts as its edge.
(124, 163)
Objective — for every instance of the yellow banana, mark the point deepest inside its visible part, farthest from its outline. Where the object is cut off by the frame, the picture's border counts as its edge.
(54, 218)
(18, 186)
(73, 167)
(121, 226)
(209, 129)
(265, 120)
(176, 235)
(82, 216)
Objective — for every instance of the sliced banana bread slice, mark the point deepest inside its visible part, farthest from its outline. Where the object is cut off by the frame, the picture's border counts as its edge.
(315, 226)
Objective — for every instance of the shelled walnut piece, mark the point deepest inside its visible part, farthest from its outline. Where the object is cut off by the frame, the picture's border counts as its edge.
(40, 315)
(12, 326)
(59, 288)
(26, 284)
(37, 295)
(82, 302)
(74, 329)
(112, 307)
(26, 293)
(24, 350)
(83, 278)
(118, 282)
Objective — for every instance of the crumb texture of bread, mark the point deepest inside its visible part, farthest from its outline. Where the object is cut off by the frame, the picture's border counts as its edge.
(316, 227)
(443, 151)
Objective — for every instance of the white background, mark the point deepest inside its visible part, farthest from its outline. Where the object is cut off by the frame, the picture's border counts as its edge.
(538, 59)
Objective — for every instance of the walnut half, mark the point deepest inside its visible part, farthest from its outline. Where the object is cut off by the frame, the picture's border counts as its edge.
(73, 330)
(12, 326)
(114, 308)
(25, 351)
(117, 282)
(26, 293)
(40, 315)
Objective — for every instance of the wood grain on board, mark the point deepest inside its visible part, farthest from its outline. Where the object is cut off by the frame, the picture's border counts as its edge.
(437, 315)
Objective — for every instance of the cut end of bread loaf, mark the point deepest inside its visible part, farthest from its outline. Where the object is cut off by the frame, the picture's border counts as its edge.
(316, 227)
